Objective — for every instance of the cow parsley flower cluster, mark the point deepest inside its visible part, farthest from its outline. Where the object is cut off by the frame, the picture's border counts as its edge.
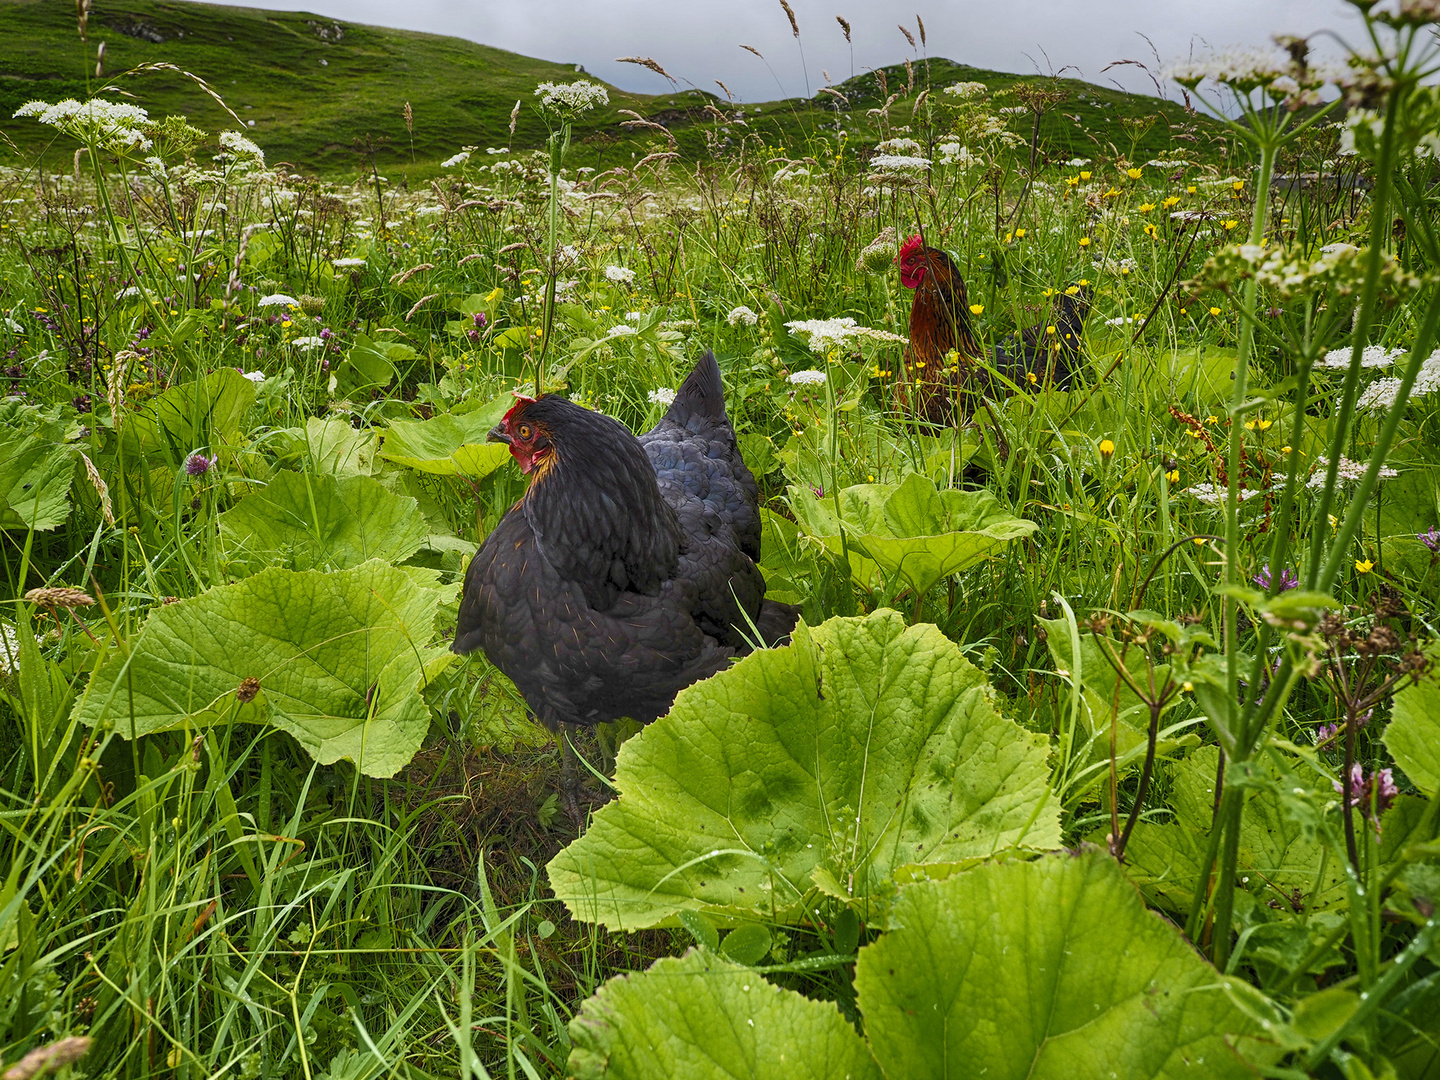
(662, 395)
(456, 161)
(1212, 495)
(893, 163)
(115, 125)
(1285, 75)
(621, 275)
(1346, 472)
(876, 256)
(241, 148)
(279, 300)
(1374, 356)
(827, 334)
(966, 90)
(569, 100)
(806, 378)
(742, 316)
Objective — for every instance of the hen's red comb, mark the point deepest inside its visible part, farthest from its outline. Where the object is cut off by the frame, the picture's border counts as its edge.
(521, 400)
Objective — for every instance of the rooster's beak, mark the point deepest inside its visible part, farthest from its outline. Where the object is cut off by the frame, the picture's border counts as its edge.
(497, 434)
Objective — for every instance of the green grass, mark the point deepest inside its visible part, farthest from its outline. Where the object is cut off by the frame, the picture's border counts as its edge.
(312, 95)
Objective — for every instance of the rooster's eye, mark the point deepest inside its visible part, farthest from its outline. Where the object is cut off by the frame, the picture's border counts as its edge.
(524, 431)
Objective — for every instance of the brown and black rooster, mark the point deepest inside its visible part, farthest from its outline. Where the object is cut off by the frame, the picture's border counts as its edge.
(628, 570)
(940, 325)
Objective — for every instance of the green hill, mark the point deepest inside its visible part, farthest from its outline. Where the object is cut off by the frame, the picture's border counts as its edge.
(313, 86)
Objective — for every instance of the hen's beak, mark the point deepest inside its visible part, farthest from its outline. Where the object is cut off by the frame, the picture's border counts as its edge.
(497, 434)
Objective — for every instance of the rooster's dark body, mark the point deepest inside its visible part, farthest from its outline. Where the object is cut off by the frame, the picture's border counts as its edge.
(936, 382)
(628, 571)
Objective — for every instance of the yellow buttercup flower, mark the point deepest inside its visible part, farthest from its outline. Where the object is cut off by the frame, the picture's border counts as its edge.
(1107, 448)
(1084, 241)
(1231, 224)
(1084, 176)
(1145, 208)
(1364, 566)
(1214, 311)
(1171, 201)
(976, 309)
(1239, 185)
(1173, 476)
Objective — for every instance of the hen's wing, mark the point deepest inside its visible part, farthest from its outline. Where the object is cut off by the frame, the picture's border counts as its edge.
(702, 475)
(1049, 356)
(572, 663)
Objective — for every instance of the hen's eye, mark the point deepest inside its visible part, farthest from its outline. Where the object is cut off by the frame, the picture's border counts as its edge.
(525, 431)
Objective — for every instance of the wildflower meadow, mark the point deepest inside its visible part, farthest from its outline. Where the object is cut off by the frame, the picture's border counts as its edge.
(1107, 744)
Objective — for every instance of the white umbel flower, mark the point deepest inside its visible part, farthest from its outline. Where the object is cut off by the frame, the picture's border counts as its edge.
(621, 275)
(742, 316)
(662, 395)
(279, 300)
(241, 147)
(571, 99)
(807, 378)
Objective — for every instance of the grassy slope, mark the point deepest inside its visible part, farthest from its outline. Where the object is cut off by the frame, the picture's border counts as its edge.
(267, 65)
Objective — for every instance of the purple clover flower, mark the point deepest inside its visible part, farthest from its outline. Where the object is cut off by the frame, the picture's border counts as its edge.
(1380, 785)
(1285, 580)
(198, 464)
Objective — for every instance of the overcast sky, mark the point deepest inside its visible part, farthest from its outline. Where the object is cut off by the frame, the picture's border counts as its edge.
(699, 42)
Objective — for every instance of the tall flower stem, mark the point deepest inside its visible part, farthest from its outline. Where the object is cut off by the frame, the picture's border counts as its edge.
(559, 143)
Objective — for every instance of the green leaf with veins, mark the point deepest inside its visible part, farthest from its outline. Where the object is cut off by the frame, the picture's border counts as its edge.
(206, 412)
(450, 444)
(340, 659)
(702, 1017)
(1280, 858)
(913, 529)
(321, 522)
(1046, 970)
(862, 748)
(1413, 737)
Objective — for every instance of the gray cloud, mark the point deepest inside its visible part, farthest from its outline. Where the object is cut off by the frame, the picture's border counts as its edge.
(700, 42)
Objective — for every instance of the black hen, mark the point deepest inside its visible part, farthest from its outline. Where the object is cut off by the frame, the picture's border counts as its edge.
(628, 570)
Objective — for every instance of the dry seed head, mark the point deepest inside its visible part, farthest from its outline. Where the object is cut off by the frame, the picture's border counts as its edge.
(246, 691)
(749, 48)
(909, 72)
(834, 93)
(646, 62)
(419, 304)
(790, 14)
(101, 489)
(409, 118)
(72, 1048)
(921, 24)
(59, 597)
(844, 26)
(908, 36)
(722, 86)
(514, 116)
(100, 61)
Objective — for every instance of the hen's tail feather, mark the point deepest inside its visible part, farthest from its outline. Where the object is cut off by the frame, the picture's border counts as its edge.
(701, 394)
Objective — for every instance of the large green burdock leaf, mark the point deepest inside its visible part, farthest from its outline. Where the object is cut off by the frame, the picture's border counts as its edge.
(201, 413)
(447, 445)
(1413, 737)
(36, 466)
(1040, 970)
(35, 478)
(699, 1017)
(1280, 859)
(916, 530)
(340, 659)
(307, 522)
(863, 747)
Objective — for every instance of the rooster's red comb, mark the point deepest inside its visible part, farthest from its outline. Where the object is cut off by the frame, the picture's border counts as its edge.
(911, 246)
